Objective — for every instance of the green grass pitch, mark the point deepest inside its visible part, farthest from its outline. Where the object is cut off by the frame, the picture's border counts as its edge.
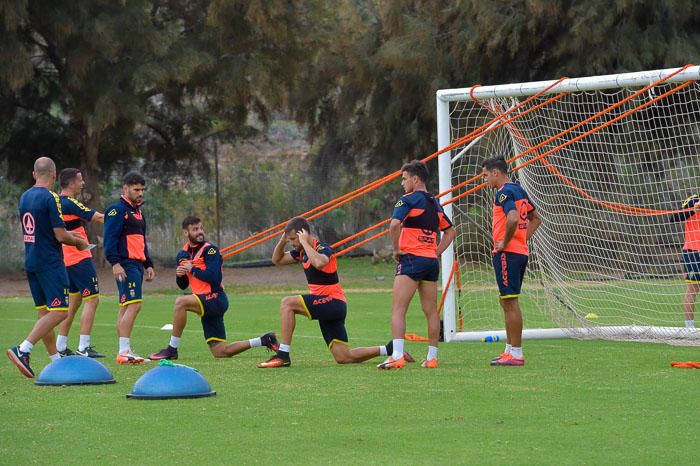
(576, 402)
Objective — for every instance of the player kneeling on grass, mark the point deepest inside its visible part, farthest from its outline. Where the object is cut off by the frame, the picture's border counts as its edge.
(200, 266)
(326, 303)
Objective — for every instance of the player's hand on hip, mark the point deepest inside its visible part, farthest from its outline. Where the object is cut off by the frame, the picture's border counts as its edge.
(398, 254)
(150, 274)
(119, 273)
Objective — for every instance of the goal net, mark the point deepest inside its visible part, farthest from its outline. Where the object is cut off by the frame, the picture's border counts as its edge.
(607, 161)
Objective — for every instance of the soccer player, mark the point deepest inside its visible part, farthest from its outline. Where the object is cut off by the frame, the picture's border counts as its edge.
(84, 287)
(43, 232)
(415, 224)
(691, 255)
(126, 250)
(515, 220)
(200, 266)
(325, 303)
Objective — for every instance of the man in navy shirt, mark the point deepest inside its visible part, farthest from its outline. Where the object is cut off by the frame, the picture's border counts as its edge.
(43, 231)
(126, 250)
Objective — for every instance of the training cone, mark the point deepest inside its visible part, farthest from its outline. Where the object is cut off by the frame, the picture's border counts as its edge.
(169, 381)
(75, 370)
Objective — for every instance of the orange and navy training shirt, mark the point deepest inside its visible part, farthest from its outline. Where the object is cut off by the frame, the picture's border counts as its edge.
(125, 234)
(207, 274)
(422, 217)
(512, 196)
(75, 214)
(691, 226)
(40, 213)
(323, 282)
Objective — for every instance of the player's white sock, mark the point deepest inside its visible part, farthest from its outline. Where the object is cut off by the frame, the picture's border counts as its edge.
(398, 349)
(26, 347)
(174, 341)
(255, 342)
(54, 357)
(284, 348)
(690, 324)
(508, 349)
(432, 352)
(124, 344)
(382, 351)
(84, 342)
(61, 342)
(517, 352)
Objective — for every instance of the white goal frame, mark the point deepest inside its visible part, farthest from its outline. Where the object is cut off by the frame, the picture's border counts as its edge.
(444, 98)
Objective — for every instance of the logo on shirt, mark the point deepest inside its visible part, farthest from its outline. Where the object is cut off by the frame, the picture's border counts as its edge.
(28, 224)
(399, 204)
(211, 251)
(112, 213)
(502, 197)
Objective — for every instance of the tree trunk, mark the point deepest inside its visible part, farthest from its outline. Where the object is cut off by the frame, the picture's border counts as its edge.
(92, 173)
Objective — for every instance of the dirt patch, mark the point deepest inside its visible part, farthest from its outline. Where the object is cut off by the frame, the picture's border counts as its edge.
(16, 284)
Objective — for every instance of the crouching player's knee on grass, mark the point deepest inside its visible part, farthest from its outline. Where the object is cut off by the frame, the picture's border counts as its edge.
(325, 303)
(200, 267)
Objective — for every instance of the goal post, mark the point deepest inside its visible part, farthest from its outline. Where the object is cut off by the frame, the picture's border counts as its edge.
(608, 161)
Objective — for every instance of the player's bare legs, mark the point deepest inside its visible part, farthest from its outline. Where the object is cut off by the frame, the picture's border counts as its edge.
(289, 308)
(691, 293)
(74, 302)
(43, 328)
(428, 300)
(126, 318)
(513, 320)
(402, 294)
(343, 354)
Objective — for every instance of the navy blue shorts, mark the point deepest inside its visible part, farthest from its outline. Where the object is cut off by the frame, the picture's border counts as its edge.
(330, 313)
(420, 269)
(692, 266)
(212, 307)
(83, 279)
(130, 289)
(49, 289)
(510, 270)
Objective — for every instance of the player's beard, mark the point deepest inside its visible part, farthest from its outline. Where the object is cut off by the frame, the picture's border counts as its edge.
(195, 239)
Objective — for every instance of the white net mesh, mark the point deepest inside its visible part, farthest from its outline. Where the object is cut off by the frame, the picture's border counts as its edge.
(600, 268)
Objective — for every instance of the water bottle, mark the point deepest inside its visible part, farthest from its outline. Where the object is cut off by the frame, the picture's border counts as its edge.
(491, 339)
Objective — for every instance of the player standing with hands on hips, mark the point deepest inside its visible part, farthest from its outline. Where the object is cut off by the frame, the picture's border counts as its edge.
(515, 220)
(415, 229)
(126, 250)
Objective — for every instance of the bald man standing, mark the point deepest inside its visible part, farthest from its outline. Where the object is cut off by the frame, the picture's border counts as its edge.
(43, 231)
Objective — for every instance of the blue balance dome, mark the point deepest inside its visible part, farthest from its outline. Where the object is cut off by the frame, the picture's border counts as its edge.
(75, 370)
(168, 381)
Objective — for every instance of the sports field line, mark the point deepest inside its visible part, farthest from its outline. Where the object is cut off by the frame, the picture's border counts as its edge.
(297, 334)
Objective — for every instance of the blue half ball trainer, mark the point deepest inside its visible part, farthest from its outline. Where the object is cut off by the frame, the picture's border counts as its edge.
(75, 370)
(171, 381)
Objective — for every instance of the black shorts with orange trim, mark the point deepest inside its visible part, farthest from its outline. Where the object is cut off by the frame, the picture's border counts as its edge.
(49, 289)
(510, 270)
(330, 313)
(83, 279)
(420, 269)
(212, 308)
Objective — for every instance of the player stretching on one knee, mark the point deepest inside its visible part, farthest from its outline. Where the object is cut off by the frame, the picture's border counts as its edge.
(415, 225)
(200, 266)
(515, 220)
(326, 303)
